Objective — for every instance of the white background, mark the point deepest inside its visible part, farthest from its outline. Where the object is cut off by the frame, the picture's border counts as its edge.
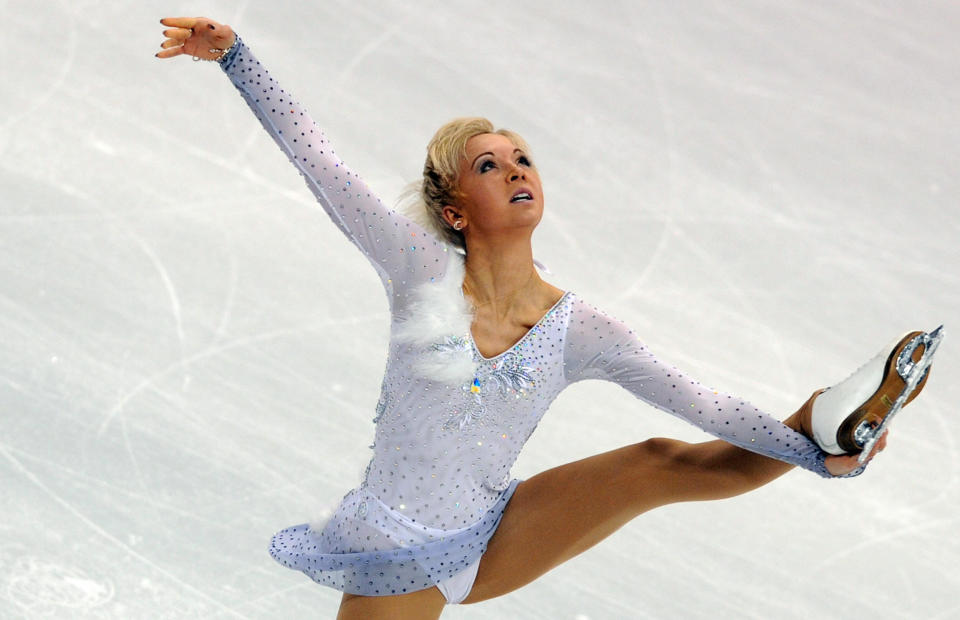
(190, 353)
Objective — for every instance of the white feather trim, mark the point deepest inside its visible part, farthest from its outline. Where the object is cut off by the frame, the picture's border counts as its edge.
(438, 322)
(453, 366)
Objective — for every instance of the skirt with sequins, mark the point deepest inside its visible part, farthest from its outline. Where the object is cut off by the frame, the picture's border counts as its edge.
(366, 548)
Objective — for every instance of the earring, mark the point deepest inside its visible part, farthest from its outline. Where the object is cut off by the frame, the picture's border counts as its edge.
(457, 225)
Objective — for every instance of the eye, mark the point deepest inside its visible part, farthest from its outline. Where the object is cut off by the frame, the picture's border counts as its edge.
(486, 165)
(523, 160)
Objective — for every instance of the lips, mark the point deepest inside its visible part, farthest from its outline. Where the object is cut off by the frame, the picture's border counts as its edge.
(522, 195)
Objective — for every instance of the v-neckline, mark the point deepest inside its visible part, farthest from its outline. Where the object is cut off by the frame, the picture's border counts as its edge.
(473, 342)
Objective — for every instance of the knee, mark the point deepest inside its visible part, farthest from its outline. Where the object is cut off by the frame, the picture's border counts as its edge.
(708, 470)
(659, 453)
(662, 471)
(671, 457)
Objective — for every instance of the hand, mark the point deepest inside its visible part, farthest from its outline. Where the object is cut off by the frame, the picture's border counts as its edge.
(195, 36)
(842, 464)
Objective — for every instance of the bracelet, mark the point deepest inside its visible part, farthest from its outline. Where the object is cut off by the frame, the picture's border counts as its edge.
(223, 52)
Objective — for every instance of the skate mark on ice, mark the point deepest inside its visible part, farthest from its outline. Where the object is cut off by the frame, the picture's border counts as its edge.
(134, 462)
(933, 442)
(167, 284)
(150, 381)
(147, 250)
(274, 594)
(74, 475)
(948, 525)
(99, 216)
(230, 299)
(240, 12)
(251, 140)
(336, 92)
(37, 482)
(748, 315)
(43, 587)
(907, 584)
(41, 100)
(208, 155)
(673, 176)
(948, 613)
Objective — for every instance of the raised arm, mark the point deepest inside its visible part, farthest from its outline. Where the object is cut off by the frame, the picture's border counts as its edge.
(400, 250)
(600, 347)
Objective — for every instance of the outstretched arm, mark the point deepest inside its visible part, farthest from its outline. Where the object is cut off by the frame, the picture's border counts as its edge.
(600, 347)
(401, 251)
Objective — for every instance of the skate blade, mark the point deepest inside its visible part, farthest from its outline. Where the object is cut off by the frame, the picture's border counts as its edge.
(912, 373)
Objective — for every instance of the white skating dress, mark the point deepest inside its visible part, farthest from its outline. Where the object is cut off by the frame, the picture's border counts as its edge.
(439, 478)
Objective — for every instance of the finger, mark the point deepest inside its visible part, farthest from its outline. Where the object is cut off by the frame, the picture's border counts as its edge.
(170, 53)
(180, 34)
(179, 22)
(877, 449)
(839, 465)
(170, 43)
(880, 445)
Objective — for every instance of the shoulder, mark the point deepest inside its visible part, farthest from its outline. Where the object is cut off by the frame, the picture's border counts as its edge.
(592, 317)
(591, 330)
(600, 346)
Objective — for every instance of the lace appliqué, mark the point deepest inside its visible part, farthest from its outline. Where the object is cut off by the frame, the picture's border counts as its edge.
(508, 375)
(452, 344)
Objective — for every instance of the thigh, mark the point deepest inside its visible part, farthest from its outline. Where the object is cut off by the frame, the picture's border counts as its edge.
(422, 605)
(564, 511)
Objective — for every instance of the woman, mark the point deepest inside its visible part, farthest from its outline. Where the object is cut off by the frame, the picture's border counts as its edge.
(480, 345)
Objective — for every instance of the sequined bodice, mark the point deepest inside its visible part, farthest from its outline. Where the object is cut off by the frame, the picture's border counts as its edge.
(457, 441)
(443, 449)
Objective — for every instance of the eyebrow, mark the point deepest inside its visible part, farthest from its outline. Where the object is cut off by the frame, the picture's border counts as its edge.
(490, 153)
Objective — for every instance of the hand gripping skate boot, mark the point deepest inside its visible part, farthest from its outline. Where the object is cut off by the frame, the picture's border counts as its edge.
(851, 416)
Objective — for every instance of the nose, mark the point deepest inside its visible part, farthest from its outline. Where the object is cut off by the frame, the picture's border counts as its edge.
(516, 174)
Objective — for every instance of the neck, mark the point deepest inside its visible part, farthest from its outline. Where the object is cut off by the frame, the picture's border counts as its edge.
(500, 277)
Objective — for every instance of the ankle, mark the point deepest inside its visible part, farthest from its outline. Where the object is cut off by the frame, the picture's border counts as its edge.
(794, 421)
(800, 420)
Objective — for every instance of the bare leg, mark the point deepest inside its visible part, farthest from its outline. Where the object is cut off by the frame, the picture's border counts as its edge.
(422, 605)
(599, 494)
(635, 479)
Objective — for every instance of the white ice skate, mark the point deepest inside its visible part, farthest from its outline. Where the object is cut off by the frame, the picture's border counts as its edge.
(850, 417)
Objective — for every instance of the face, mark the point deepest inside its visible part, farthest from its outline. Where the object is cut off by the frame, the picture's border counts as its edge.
(501, 188)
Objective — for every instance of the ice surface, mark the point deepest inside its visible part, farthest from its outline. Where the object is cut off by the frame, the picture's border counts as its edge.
(767, 192)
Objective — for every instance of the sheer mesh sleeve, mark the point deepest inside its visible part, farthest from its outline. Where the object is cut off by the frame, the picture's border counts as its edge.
(600, 347)
(402, 252)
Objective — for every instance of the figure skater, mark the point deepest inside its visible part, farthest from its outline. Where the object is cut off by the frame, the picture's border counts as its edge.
(480, 345)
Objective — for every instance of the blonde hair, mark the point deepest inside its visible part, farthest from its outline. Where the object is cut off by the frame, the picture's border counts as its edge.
(423, 201)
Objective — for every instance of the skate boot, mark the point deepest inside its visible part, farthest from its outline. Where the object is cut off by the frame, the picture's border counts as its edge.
(851, 416)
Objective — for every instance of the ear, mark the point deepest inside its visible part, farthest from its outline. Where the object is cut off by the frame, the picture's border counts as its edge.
(452, 215)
